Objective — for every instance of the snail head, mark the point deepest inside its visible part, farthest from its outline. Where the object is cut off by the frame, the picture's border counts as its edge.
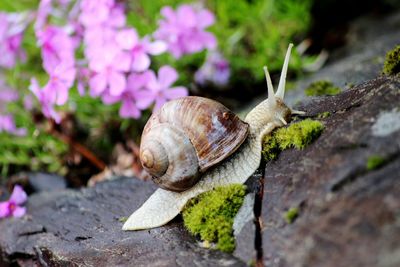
(282, 112)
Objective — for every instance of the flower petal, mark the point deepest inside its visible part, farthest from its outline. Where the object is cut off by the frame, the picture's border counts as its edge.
(176, 92)
(97, 84)
(129, 110)
(156, 48)
(159, 103)
(205, 18)
(167, 76)
(144, 99)
(117, 83)
(127, 38)
(19, 212)
(141, 62)
(4, 209)
(18, 195)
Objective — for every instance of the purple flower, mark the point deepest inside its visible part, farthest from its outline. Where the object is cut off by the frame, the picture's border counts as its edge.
(161, 86)
(139, 49)
(13, 207)
(47, 98)
(43, 11)
(109, 65)
(215, 70)
(7, 124)
(7, 95)
(12, 26)
(57, 47)
(95, 12)
(135, 98)
(184, 30)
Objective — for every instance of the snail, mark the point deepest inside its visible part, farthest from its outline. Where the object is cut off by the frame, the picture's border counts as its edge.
(193, 144)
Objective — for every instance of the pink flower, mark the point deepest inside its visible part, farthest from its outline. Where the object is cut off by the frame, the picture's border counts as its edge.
(7, 124)
(161, 87)
(139, 49)
(13, 207)
(215, 70)
(8, 95)
(43, 11)
(184, 30)
(135, 98)
(95, 12)
(57, 47)
(12, 26)
(109, 65)
(47, 98)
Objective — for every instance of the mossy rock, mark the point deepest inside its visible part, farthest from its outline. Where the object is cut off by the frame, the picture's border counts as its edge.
(297, 135)
(392, 62)
(321, 88)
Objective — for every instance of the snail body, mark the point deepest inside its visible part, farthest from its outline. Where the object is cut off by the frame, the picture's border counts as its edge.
(235, 166)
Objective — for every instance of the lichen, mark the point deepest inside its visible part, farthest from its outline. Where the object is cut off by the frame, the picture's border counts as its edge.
(392, 62)
(374, 162)
(322, 87)
(291, 215)
(297, 135)
(210, 215)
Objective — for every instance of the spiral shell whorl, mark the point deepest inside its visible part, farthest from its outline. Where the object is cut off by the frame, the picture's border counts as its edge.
(168, 155)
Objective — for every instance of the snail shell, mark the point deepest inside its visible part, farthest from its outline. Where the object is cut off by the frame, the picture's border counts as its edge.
(186, 137)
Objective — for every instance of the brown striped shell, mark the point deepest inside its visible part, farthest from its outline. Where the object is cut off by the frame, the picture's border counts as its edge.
(186, 137)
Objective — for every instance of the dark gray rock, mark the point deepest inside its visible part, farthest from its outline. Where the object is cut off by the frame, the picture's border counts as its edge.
(368, 41)
(83, 228)
(348, 214)
(39, 181)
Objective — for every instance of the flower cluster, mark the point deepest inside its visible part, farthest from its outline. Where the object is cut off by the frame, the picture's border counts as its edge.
(12, 26)
(215, 70)
(13, 207)
(184, 30)
(116, 61)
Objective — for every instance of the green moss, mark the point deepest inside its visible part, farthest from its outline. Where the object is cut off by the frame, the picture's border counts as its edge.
(374, 162)
(123, 219)
(324, 115)
(291, 215)
(322, 87)
(297, 135)
(210, 215)
(392, 62)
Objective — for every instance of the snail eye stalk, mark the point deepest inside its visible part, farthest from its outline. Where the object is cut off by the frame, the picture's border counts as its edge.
(282, 81)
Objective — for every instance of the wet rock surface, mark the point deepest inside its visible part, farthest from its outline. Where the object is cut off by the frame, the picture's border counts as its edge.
(348, 209)
(83, 228)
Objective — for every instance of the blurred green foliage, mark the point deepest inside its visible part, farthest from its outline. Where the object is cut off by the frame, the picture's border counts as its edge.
(250, 33)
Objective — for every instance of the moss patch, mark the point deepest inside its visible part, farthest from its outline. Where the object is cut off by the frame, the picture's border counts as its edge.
(297, 135)
(210, 215)
(323, 115)
(374, 162)
(392, 62)
(291, 215)
(320, 88)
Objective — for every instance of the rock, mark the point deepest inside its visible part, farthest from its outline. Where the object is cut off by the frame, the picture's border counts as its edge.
(75, 228)
(348, 209)
(368, 41)
(38, 181)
